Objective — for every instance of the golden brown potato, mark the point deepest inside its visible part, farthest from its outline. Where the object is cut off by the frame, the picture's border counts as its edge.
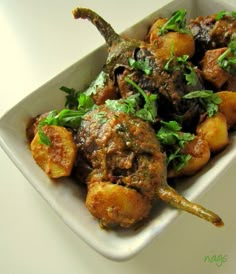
(228, 106)
(58, 158)
(182, 43)
(215, 131)
(211, 70)
(200, 154)
(114, 204)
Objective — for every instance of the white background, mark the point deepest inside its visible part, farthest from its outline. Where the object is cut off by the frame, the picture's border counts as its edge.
(38, 39)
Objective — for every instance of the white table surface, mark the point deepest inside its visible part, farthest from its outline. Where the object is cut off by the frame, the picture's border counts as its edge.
(38, 40)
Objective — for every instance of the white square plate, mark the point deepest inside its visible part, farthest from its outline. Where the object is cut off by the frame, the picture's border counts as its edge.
(66, 198)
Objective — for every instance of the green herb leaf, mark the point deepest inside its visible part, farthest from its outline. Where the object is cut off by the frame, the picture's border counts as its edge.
(178, 160)
(191, 77)
(101, 117)
(171, 137)
(170, 134)
(71, 97)
(128, 105)
(149, 111)
(167, 136)
(98, 83)
(177, 22)
(208, 99)
(182, 64)
(227, 60)
(66, 117)
(172, 125)
(141, 65)
(224, 13)
(167, 66)
(183, 59)
(49, 120)
(86, 103)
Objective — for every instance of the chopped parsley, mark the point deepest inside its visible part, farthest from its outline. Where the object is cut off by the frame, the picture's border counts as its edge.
(131, 104)
(227, 59)
(66, 117)
(149, 110)
(207, 98)
(181, 63)
(101, 117)
(99, 82)
(177, 22)
(141, 65)
(224, 13)
(128, 105)
(173, 140)
(71, 97)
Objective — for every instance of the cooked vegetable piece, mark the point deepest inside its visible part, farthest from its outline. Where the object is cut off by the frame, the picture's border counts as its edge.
(212, 32)
(57, 160)
(150, 76)
(122, 160)
(215, 131)
(228, 106)
(126, 152)
(182, 43)
(211, 70)
(114, 204)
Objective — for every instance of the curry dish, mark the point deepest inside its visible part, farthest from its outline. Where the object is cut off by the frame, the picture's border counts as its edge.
(160, 109)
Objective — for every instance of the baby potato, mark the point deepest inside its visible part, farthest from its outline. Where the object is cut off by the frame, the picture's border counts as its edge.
(215, 131)
(228, 106)
(182, 43)
(200, 154)
(58, 158)
(155, 27)
(114, 204)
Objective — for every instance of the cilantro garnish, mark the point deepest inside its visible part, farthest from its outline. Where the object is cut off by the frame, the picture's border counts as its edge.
(141, 65)
(149, 110)
(171, 137)
(128, 105)
(224, 13)
(181, 63)
(99, 82)
(71, 97)
(207, 98)
(227, 60)
(131, 104)
(177, 22)
(66, 117)
(191, 76)
(101, 117)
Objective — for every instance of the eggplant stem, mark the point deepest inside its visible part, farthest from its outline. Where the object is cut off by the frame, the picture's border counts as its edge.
(170, 196)
(103, 26)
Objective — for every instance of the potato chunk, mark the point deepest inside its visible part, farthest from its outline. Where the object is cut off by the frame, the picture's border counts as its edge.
(182, 43)
(211, 70)
(228, 106)
(215, 131)
(116, 205)
(58, 158)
